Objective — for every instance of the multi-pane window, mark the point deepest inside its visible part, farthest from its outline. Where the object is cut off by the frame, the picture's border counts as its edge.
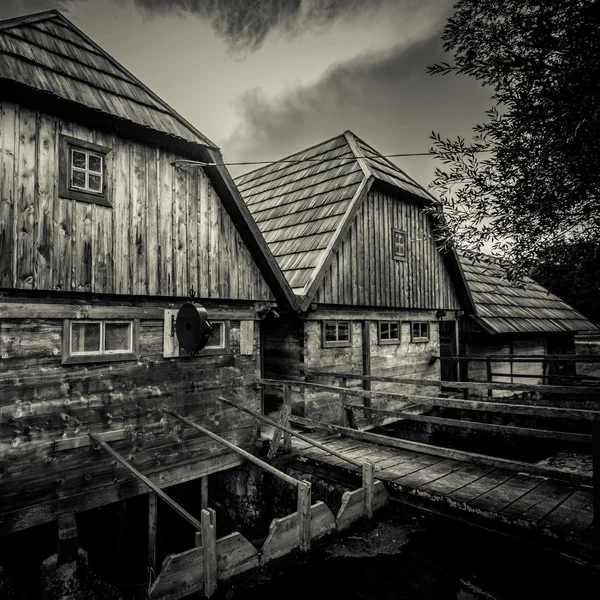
(99, 341)
(337, 333)
(398, 244)
(87, 171)
(84, 171)
(419, 331)
(389, 332)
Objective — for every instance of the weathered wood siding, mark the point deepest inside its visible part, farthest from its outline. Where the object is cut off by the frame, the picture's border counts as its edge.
(506, 371)
(43, 402)
(166, 231)
(364, 271)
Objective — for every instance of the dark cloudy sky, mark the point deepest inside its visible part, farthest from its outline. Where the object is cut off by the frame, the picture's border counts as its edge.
(265, 79)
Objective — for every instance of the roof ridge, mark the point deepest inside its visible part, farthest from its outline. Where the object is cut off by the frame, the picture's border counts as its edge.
(30, 18)
(280, 160)
(57, 16)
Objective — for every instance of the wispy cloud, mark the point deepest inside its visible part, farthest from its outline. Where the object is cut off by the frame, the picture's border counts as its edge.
(387, 94)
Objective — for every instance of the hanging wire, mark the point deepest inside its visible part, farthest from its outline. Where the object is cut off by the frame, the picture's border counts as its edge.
(195, 163)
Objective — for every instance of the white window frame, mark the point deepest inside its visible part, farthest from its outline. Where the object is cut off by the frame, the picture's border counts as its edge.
(337, 343)
(420, 338)
(73, 357)
(86, 170)
(383, 340)
(395, 254)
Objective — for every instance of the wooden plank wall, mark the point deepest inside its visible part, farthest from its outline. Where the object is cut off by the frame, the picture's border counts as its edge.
(43, 402)
(483, 344)
(166, 231)
(364, 272)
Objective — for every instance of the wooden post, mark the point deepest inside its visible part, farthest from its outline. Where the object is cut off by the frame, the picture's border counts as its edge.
(368, 470)
(350, 419)
(366, 360)
(343, 419)
(488, 365)
(283, 420)
(68, 545)
(152, 528)
(596, 478)
(209, 550)
(304, 515)
(204, 492)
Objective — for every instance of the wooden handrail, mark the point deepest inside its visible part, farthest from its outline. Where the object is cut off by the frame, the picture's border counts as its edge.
(178, 509)
(576, 414)
(250, 457)
(526, 358)
(477, 385)
(565, 436)
(291, 432)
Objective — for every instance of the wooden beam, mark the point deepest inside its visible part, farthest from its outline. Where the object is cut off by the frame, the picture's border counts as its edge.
(565, 436)
(596, 479)
(68, 544)
(204, 492)
(471, 457)
(304, 438)
(368, 483)
(178, 509)
(478, 405)
(152, 531)
(366, 360)
(474, 385)
(209, 550)
(279, 434)
(304, 515)
(250, 457)
(527, 358)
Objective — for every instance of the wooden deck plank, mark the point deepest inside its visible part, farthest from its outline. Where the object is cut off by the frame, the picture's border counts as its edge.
(509, 491)
(574, 515)
(410, 466)
(467, 474)
(540, 501)
(399, 457)
(482, 485)
(419, 478)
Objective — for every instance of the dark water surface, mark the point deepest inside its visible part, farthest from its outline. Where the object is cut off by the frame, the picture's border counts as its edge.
(419, 559)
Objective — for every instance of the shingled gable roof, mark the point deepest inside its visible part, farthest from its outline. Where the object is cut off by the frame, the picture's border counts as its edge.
(504, 307)
(47, 53)
(304, 203)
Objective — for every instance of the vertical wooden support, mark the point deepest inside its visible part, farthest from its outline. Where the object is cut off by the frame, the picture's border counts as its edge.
(283, 420)
(368, 470)
(68, 544)
(204, 492)
(304, 515)
(152, 528)
(596, 478)
(209, 550)
(343, 412)
(366, 363)
(488, 367)
(350, 419)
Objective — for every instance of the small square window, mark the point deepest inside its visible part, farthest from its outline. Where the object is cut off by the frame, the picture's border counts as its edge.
(217, 335)
(218, 341)
(83, 171)
(398, 244)
(389, 332)
(100, 341)
(419, 331)
(337, 334)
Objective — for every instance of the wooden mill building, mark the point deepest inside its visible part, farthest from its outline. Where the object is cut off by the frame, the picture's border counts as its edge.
(516, 319)
(102, 236)
(351, 233)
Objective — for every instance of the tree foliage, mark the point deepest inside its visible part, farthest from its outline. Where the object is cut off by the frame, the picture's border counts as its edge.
(571, 270)
(530, 175)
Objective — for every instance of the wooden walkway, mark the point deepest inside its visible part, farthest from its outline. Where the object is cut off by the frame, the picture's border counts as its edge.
(555, 509)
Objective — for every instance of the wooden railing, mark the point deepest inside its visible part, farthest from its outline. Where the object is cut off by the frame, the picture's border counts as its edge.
(591, 417)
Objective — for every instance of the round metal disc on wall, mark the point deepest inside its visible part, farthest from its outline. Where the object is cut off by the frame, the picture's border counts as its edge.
(192, 327)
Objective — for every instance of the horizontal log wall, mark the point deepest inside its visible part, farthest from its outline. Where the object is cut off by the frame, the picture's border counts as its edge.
(46, 408)
(365, 273)
(166, 231)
